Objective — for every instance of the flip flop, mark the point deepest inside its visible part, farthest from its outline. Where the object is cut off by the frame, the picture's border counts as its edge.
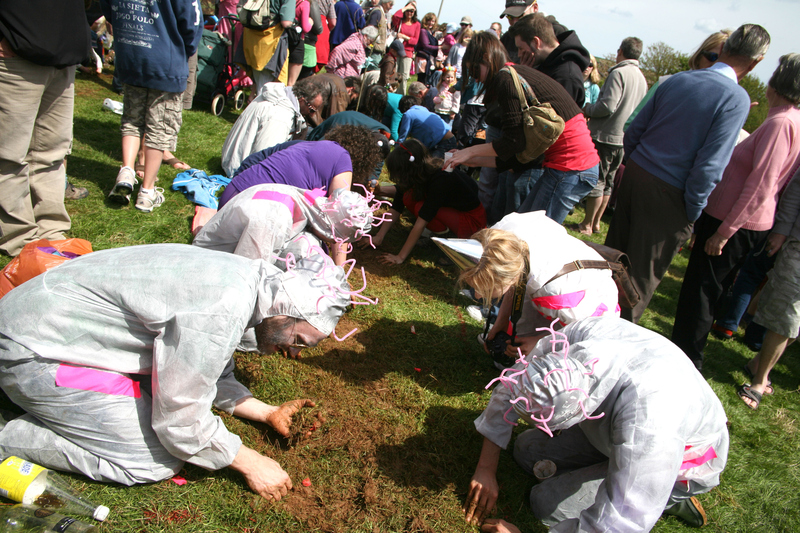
(744, 391)
(175, 163)
(768, 389)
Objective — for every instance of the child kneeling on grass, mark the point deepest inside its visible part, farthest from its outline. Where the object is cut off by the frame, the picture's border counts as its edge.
(440, 200)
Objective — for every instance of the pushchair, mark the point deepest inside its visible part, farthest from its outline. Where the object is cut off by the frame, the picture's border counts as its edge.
(219, 79)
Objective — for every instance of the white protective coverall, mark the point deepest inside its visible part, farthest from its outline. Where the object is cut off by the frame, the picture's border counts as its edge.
(271, 118)
(119, 355)
(577, 295)
(267, 221)
(660, 436)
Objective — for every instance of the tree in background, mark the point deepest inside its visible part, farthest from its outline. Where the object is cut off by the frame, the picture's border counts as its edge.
(661, 59)
(758, 93)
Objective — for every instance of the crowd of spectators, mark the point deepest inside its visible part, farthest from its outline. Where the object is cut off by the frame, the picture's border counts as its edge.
(333, 97)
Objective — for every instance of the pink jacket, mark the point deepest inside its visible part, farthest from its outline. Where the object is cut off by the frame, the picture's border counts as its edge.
(756, 174)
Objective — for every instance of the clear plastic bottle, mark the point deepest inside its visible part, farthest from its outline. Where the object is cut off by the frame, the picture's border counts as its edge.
(30, 483)
(31, 519)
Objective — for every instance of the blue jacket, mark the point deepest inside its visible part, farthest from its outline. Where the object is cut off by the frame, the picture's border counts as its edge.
(349, 19)
(686, 133)
(154, 40)
(426, 127)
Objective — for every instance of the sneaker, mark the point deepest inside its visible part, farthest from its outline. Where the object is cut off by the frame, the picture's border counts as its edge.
(126, 181)
(690, 511)
(720, 332)
(147, 203)
(75, 193)
(482, 339)
(474, 311)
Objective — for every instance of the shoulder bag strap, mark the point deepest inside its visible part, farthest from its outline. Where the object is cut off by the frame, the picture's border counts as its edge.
(580, 265)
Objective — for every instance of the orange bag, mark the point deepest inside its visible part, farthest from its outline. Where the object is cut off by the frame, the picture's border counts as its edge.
(37, 257)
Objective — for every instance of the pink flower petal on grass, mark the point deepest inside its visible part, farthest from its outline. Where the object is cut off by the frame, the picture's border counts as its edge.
(306, 482)
(178, 480)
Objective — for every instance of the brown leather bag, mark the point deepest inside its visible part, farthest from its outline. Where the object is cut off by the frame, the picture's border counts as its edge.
(615, 261)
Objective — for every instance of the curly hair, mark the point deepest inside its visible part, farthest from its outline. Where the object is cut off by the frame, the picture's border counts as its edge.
(360, 143)
(416, 175)
(502, 263)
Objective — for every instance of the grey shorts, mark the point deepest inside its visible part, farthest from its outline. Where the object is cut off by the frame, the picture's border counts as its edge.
(779, 304)
(610, 160)
(154, 114)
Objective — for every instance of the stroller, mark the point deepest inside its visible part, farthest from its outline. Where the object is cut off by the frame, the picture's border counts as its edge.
(219, 79)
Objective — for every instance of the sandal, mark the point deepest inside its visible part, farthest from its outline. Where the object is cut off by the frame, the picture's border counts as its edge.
(768, 389)
(139, 168)
(176, 163)
(744, 391)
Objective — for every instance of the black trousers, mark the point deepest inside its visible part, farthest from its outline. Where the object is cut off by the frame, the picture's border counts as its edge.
(707, 279)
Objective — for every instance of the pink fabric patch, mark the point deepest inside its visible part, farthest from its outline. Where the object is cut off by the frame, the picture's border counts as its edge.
(281, 198)
(560, 301)
(178, 480)
(601, 310)
(82, 378)
(313, 194)
(697, 461)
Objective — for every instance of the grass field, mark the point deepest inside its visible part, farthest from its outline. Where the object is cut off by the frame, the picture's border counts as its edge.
(398, 449)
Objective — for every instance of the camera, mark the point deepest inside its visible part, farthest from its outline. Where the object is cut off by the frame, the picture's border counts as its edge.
(497, 349)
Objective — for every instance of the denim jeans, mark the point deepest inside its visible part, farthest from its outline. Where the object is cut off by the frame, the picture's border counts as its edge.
(735, 304)
(557, 191)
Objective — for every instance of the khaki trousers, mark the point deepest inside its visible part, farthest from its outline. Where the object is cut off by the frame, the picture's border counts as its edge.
(36, 105)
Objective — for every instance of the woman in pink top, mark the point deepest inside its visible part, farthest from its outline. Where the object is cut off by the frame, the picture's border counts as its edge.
(741, 209)
(408, 27)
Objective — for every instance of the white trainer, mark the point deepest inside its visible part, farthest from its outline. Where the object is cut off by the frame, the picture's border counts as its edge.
(146, 202)
(126, 181)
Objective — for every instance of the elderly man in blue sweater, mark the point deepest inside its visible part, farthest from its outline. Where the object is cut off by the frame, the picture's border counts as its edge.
(677, 148)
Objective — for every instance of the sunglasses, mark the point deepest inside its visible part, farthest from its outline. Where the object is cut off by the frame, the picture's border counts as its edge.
(711, 56)
(296, 344)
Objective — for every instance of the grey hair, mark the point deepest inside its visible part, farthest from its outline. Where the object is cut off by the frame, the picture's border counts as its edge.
(786, 79)
(370, 32)
(309, 88)
(631, 48)
(385, 2)
(416, 89)
(748, 40)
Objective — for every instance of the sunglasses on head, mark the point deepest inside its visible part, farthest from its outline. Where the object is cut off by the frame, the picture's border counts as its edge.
(711, 56)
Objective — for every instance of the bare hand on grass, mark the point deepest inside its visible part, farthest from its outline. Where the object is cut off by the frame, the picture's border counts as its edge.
(281, 418)
(496, 525)
(482, 496)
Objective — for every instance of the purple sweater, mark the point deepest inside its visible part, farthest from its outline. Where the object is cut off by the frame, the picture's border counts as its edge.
(758, 170)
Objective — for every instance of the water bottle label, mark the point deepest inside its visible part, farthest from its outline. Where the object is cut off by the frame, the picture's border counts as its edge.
(16, 475)
(63, 524)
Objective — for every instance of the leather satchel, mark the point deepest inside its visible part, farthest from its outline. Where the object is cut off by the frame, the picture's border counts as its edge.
(615, 261)
(541, 123)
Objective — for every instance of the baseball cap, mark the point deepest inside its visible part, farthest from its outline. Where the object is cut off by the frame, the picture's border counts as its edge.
(466, 20)
(516, 8)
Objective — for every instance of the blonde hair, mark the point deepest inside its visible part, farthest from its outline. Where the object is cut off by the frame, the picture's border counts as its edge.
(503, 262)
(594, 77)
(711, 43)
(465, 34)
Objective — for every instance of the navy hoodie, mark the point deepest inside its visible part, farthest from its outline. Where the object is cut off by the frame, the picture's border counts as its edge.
(153, 40)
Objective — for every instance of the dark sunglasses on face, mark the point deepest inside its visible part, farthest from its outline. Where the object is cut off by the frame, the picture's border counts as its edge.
(711, 56)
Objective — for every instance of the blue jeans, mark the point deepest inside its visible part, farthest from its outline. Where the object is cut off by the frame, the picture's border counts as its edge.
(519, 186)
(557, 191)
(735, 304)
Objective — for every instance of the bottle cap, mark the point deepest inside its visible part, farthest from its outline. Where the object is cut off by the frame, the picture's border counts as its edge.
(101, 512)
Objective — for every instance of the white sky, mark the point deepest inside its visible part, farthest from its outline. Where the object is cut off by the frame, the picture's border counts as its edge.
(682, 24)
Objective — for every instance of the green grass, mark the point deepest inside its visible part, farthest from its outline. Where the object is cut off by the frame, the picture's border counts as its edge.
(398, 449)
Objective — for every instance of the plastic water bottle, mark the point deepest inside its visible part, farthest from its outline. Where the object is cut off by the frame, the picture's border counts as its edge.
(29, 483)
(32, 519)
(113, 105)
